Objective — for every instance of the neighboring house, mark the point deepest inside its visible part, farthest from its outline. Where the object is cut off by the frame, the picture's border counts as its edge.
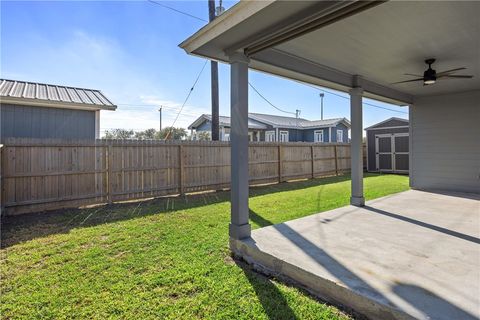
(266, 127)
(387, 146)
(38, 110)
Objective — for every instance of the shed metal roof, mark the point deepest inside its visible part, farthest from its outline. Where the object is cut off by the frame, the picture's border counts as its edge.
(42, 94)
(384, 123)
(225, 122)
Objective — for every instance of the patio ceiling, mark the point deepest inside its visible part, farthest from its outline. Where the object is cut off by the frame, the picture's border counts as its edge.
(378, 41)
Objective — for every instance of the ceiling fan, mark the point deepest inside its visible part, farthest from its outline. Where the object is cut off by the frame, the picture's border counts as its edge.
(430, 76)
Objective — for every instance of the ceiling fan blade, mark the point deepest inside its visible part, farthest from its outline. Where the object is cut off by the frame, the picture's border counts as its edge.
(414, 75)
(455, 76)
(449, 71)
(413, 80)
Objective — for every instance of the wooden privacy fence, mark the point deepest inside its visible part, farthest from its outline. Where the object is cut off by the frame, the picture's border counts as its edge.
(38, 175)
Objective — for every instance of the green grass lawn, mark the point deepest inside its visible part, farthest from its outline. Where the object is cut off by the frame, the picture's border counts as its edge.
(165, 258)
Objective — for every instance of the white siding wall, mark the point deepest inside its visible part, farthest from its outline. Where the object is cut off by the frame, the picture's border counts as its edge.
(445, 142)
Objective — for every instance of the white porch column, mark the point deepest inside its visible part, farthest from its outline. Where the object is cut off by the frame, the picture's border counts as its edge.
(239, 224)
(357, 198)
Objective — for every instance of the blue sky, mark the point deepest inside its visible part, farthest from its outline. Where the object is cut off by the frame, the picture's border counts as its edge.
(129, 50)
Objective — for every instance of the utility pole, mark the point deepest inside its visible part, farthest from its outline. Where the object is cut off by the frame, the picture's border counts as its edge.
(321, 98)
(160, 111)
(214, 82)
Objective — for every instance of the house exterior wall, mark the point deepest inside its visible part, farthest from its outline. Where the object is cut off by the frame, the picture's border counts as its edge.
(342, 127)
(23, 121)
(444, 142)
(205, 126)
(371, 157)
(294, 135)
(308, 134)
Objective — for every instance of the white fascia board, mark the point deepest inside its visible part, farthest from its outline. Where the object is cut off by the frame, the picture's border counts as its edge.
(197, 122)
(379, 92)
(232, 17)
(287, 61)
(345, 122)
(284, 64)
(55, 104)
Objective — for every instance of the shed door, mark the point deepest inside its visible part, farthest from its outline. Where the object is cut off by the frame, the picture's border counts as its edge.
(391, 152)
(383, 152)
(400, 152)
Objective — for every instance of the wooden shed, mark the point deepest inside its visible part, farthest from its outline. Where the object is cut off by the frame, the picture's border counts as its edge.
(388, 146)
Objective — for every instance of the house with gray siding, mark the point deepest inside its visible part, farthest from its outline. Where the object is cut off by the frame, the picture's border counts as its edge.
(266, 127)
(45, 111)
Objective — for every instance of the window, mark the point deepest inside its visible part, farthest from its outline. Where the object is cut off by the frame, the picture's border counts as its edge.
(250, 136)
(270, 136)
(318, 136)
(283, 136)
(339, 135)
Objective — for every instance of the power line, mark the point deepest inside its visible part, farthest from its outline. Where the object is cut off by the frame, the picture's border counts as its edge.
(201, 19)
(269, 101)
(186, 99)
(153, 108)
(323, 90)
(341, 96)
(176, 10)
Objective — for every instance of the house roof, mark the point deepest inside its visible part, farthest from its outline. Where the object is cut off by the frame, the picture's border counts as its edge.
(260, 120)
(291, 122)
(382, 124)
(225, 122)
(48, 95)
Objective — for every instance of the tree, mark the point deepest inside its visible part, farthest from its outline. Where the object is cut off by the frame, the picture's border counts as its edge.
(172, 133)
(204, 136)
(118, 134)
(148, 134)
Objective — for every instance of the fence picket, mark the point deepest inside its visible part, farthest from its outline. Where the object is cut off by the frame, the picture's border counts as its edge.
(38, 175)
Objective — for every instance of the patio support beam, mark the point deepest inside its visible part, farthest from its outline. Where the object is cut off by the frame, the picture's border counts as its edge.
(356, 151)
(239, 226)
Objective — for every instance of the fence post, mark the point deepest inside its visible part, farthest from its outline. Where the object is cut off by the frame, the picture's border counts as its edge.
(180, 168)
(280, 156)
(110, 172)
(313, 161)
(336, 159)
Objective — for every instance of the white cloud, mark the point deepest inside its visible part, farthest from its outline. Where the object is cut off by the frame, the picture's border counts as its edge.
(145, 115)
(93, 61)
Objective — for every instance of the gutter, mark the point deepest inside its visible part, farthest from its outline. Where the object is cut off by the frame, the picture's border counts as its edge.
(56, 104)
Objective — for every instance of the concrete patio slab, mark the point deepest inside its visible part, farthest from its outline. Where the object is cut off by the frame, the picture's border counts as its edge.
(414, 254)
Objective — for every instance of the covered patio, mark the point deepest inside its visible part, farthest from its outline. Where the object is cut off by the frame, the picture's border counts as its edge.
(412, 255)
(385, 260)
